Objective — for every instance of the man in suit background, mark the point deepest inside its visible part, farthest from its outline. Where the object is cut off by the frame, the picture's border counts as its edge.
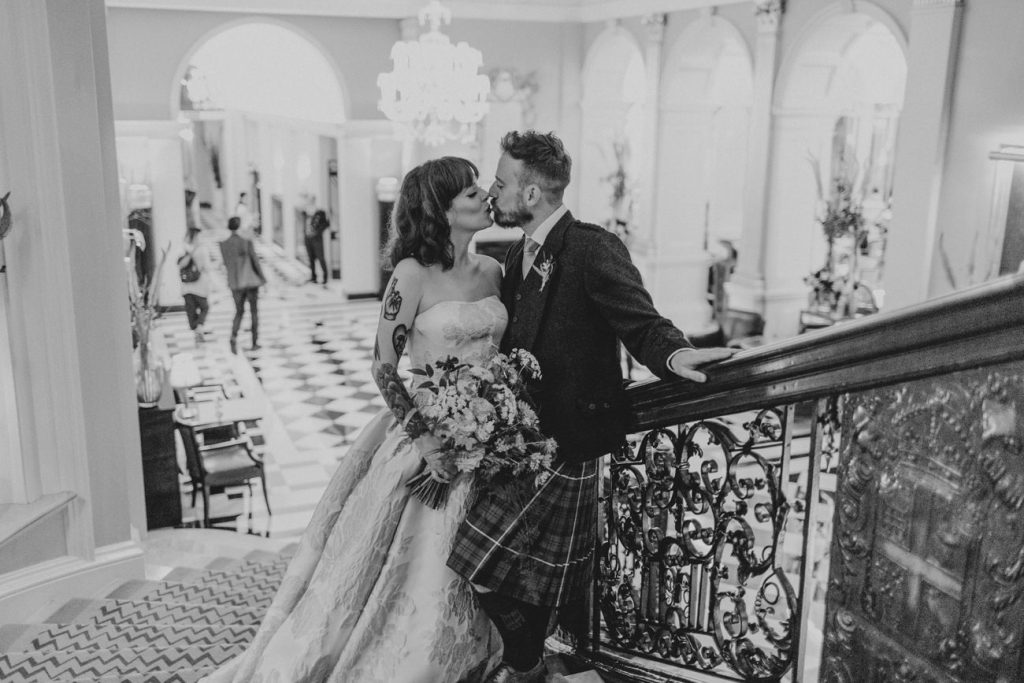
(572, 292)
(245, 277)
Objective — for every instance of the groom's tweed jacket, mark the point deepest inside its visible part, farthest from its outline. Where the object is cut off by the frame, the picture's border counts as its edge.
(593, 296)
(539, 548)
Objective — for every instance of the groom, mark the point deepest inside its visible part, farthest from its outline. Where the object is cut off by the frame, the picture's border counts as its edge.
(571, 291)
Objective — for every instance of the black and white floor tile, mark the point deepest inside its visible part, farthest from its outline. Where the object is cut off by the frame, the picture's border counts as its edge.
(312, 370)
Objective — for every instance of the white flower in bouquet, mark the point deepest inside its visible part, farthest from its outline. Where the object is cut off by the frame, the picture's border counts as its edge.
(483, 418)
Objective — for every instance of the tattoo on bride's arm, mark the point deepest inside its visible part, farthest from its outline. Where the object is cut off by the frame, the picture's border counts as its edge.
(392, 301)
(376, 348)
(398, 339)
(397, 398)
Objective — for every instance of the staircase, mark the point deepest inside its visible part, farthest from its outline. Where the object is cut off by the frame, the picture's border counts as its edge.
(201, 611)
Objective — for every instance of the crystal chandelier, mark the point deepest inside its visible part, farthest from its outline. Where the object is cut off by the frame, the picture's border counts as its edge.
(435, 89)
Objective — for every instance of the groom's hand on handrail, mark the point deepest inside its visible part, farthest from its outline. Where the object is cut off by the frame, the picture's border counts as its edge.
(685, 362)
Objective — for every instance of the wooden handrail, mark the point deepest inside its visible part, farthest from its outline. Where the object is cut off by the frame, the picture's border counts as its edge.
(979, 326)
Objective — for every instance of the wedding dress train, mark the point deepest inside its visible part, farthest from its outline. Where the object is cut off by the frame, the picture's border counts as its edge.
(368, 597)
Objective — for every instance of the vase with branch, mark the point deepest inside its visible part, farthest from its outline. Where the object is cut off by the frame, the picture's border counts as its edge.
(841, 217)
(144, 303)
(620, 191)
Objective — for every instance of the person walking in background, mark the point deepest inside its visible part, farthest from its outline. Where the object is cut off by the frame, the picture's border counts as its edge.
(243, 212)
(314, 234)
(194, 272)
(245, 277)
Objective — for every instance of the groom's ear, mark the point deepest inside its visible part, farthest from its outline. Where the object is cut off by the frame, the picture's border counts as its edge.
(532, 194)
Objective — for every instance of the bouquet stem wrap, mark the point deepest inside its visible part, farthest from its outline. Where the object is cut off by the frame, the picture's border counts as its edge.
(430, 491)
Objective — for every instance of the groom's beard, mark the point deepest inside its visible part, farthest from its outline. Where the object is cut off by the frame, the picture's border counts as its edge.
(517, 218)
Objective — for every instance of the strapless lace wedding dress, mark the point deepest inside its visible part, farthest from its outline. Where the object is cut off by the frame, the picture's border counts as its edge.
(368, 597)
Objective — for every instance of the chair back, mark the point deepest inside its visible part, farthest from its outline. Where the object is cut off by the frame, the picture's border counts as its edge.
(193, 460)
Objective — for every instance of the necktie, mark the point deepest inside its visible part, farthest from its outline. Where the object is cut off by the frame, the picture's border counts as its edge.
(529, 254)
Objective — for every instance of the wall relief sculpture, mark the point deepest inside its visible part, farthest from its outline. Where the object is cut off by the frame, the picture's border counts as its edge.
(928, 550)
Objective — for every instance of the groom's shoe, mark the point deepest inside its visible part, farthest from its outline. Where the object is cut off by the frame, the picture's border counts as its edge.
(505, 673)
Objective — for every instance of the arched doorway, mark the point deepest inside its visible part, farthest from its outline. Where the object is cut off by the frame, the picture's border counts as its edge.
(704, 118)
(839, 97)
(266, 103)
(614, 94)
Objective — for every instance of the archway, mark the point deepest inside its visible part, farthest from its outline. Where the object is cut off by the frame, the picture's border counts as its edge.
(265, 101)
(614, 94)
(706, 95)
(839, 97)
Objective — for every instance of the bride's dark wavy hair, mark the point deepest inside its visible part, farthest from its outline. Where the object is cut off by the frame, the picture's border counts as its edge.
(419, 227)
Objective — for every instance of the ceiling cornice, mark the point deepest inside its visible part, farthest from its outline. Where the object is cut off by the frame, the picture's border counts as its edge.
(496, 10)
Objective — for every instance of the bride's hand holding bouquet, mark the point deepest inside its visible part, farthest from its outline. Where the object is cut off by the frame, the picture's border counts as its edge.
(480, 420)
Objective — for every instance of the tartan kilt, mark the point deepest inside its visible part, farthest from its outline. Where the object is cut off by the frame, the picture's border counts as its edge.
(537, 547)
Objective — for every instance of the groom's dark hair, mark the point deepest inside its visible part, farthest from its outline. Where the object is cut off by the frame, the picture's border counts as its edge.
(545, 161)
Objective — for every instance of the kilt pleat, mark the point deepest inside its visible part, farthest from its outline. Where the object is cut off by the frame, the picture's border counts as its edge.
(537, 547)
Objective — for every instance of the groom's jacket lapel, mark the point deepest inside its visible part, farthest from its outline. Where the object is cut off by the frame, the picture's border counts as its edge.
(527, 298)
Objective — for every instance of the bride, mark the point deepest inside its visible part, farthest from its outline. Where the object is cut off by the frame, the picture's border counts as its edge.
(368, 596)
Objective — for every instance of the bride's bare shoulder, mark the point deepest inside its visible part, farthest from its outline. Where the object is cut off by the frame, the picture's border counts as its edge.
(487, 265)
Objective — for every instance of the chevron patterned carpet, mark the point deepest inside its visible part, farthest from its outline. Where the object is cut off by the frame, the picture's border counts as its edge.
(176, 629)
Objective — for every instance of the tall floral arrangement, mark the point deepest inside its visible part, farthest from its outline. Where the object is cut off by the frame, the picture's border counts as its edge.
(840, 214)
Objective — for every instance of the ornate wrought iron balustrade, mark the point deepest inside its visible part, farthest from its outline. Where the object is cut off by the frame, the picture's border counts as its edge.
(717, 516)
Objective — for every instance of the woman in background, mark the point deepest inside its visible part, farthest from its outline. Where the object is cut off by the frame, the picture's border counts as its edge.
(195, 263)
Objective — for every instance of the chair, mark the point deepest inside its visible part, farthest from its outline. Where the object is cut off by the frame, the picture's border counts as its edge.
(219, 465)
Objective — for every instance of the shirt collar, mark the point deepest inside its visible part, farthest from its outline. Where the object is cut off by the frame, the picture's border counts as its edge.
(541, 233)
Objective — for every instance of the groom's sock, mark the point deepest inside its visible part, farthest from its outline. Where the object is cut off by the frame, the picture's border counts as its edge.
(516, 622)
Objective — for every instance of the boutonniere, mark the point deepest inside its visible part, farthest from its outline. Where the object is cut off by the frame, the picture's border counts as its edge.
(544, 268)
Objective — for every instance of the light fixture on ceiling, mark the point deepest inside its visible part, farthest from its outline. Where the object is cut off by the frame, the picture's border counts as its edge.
(434, 89)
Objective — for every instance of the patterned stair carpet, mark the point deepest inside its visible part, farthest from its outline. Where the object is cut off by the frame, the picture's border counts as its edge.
(176, 629)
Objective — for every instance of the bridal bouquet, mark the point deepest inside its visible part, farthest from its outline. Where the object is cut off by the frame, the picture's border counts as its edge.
(483, 417)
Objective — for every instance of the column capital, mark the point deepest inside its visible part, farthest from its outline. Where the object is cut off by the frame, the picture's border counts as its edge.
(768, 13)
(655, 27)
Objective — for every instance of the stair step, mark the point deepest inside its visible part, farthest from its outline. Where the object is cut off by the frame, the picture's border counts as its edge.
(247, 575)
(180, 676)
(100, 612)
(581, 677)
(26, 667)
(48, 637)
(218, 593)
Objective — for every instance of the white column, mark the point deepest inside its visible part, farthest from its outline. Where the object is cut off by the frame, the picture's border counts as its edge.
(265, 166)
(571, 112)
(234, 158)
(150, 152)
(644, 217)
(921, 150)
(367, 151)
(68, 318)
(679, 266)
(746, 288)
(792, 236)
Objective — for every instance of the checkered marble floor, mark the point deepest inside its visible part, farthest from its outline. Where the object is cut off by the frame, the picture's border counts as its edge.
(312, 371)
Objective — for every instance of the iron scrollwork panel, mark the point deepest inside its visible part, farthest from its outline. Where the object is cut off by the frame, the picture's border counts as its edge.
(928, 549)
(688, 565)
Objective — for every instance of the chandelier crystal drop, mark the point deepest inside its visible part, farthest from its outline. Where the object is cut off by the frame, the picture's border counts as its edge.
(434, 89)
